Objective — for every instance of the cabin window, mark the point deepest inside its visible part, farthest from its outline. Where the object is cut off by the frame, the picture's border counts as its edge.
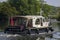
(44, 20)
(19, 21)
(37, 21)
(29, 23)
(41, 21)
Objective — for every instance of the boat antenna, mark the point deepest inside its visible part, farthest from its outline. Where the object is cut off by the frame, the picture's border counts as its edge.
(42, 2)
(41, 12)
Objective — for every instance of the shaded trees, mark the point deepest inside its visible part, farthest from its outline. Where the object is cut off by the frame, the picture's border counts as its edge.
(5, 12)
(25, 7)
(7, 9)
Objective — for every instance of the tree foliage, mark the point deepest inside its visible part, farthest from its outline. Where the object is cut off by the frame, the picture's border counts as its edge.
(6, 8)
(25, 7)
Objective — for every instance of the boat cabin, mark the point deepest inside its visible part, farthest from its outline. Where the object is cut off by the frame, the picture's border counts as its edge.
(29, 21)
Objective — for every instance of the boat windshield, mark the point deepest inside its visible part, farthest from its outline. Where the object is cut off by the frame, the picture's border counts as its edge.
(45, 20)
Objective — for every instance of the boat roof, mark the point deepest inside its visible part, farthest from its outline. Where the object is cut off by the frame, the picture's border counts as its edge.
(30, 16)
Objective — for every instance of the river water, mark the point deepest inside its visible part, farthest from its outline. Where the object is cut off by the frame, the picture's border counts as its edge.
(18, 37)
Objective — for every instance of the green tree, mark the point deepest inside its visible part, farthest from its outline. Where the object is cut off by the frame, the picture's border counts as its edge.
(25, 7)
(7, 9)
(5, 12)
